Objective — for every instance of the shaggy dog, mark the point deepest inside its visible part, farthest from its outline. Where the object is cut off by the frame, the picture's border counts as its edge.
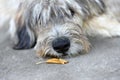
(59, 28)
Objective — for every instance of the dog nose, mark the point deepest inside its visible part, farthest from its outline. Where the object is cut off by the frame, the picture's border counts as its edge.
(61, 44)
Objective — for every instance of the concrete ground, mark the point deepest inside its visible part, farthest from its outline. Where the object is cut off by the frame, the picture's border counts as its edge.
(102, 63)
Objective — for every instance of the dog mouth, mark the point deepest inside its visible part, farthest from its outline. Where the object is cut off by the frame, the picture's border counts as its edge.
(65, 54)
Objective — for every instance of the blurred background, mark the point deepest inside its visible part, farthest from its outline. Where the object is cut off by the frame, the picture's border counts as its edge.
(7, 10)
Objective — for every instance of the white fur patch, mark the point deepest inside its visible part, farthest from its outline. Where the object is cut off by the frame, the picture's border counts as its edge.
(12, 29)
(103, 25)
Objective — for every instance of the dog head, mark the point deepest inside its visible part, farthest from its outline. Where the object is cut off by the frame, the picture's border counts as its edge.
(56, 26)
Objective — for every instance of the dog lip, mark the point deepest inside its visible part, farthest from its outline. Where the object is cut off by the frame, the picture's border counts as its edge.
(65, 54)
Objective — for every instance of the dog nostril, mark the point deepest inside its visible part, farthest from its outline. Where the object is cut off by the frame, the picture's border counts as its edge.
(61, 44)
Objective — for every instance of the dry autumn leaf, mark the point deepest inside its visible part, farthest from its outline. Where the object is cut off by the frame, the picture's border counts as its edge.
(54, 61)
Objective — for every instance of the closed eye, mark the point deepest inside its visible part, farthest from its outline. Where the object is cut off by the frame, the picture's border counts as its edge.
(72, 11)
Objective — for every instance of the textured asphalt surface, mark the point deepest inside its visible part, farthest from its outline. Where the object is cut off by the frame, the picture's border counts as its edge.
(102, 63)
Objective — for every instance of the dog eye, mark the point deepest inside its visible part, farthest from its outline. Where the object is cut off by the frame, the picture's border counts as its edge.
(72, 11)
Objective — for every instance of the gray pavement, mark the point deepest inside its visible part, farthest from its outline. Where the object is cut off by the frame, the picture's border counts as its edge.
(102, 63)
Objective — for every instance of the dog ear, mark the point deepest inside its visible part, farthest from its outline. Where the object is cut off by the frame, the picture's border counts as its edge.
(26, 38)
(24, 32)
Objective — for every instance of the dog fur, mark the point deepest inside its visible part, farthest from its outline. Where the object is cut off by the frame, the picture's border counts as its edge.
(37, 23)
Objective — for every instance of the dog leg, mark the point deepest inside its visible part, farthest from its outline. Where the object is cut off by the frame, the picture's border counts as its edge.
(102, 25)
